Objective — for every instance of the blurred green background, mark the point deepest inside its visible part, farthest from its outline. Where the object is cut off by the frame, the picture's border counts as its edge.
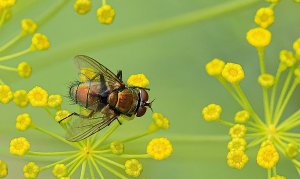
(174, 62)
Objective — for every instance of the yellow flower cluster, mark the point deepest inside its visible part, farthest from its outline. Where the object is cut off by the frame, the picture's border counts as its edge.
(266, 80)
(267, 156)
(82, 6)
(117, 147)
(296, 46)
(259, 37)
(38, 97)
(292, 150)
(40, 42)
(278, 177)
(106, 14)
(3, 169)
(24, 70)
(233, 73)
(241, 116)
(159, 148)
(55, 101)
(61, 114)
(215, 67)
(264, 17)
(6, 95)
(133, 167)
(23, 122)
(212, 112)
(19, 146)
(159, 122)
(31, 170)
(287, 58)
(237, 159)
(60, 170)
(5, 4)
(139, 80)
(28, 26)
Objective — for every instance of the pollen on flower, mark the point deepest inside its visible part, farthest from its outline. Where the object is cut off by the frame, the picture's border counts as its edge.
(40, 42)
(237, 144)
(233, 73)
(241, 116)
(28, 26)
(3, 169)
(159, 148)
(61, 114)
(287, 57)
(24, 70)
(106, 14)
(264, 17)
(86, 74)
(133, 167)
(259, 37)
(292, 150)
(60, 170)
(215, 67)
(266, 80)
(31, 170)
(139, 80)
(20, 98)
(117, 147)
(267, 156)
(237, 131)
(7, 4)
(19, 146)
(54, 101)
(237, 159)
(159, 122)
(6, 94)
(82, 6)
(38, 97)
(296, 46)
(212, 112)
(23, 122)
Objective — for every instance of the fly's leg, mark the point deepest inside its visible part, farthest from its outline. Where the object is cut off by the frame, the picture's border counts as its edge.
(119, 121)
(79, 115)
(119, 74)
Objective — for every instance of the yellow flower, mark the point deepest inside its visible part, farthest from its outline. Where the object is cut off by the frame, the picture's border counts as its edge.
(259, 37)
(117, 147)
(273, 1)
(264, 17)
(266, 80)
(267, 156)
(28, 26)
(24, 70)
(237, 131)
(7, 3)
(237, 159)
(296, 46)
(62, 114)
(278, 177)
(38, 96)
(23, 122)
(139, 80)
(82, 6)
(237, 144)
(212, 112)
(215, 67)
(159, 122)
(60, 170)
(54, 101)
(241, 116)
(133, 167)
(40, 42)
(31, 170)
(292, 150)
(287, 57)
(159, 148)
(3, 169)
(86, 74)
(20, 98)
(6, 94)
(106, 14)
(297, 1)
(233, 73)
(19, 146)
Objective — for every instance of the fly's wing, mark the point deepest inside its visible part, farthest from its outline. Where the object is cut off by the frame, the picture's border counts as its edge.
(93, 67)
(82, 128)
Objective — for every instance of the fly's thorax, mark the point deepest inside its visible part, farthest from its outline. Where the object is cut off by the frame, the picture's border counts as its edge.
(127, 101)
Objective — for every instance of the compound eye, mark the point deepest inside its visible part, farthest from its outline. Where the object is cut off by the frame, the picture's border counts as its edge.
(144, 95)
(141, 111)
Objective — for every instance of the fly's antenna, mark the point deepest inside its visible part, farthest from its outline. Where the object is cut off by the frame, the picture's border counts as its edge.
(150, 104)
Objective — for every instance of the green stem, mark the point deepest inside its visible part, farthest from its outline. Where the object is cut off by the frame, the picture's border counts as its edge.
(261, 53)
(1, 82)
(128, 156)
(111, 170)
(51, 153)
(110, 161)
(285, 102)
(75, 167)
(283, 91)
(49, 112)
(91, 170)
(256, 141)
(97, 168)
(2, 18)
(8, 68)
(54, 136)
(225, 122)
(269, 173)
(15, 55)
(103, 2)
(83, 168)
(228, 88)
(273, 94)
(12, 41)
(266, 105)
(106, 135)
(59, 162)
(290, 120)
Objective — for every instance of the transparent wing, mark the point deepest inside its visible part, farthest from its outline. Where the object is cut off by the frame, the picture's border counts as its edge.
(82, 128)
(85, 62)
